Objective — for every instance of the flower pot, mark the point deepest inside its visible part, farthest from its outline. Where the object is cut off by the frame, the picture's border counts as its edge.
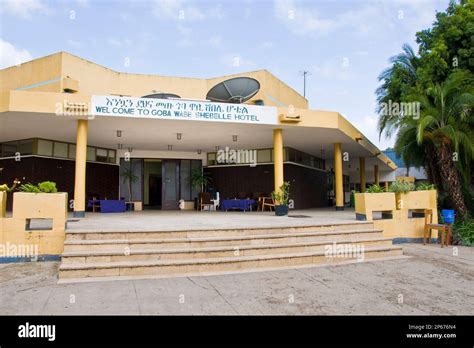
(281, 210)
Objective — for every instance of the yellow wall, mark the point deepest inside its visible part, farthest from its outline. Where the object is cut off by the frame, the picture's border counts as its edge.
(94, 79)
(33, 72)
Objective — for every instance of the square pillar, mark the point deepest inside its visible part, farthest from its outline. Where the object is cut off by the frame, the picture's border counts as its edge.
(376, 175)
(278, 158)
(80, 173)
(362, 174)
(339, 189)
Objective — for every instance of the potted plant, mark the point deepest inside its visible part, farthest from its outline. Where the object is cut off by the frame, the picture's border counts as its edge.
(199, 179)
(130, 178)
(281, 198)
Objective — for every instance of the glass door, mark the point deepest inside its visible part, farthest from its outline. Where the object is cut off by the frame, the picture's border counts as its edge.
(170, 187)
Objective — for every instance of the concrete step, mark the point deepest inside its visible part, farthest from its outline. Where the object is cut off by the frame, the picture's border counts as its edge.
(96, 235)
(119, 255)
(216, 241)
(217, 265)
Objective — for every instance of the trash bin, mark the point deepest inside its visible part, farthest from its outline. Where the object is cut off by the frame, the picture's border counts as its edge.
(448, 216)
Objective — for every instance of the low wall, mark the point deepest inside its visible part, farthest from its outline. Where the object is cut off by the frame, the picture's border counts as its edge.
(402, 214)
(37, 228)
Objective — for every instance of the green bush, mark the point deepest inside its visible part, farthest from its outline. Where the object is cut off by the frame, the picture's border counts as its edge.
(401, 187)
(29, 188)
(424, 186)
(463, 231)
(47, 187)
(375, 189)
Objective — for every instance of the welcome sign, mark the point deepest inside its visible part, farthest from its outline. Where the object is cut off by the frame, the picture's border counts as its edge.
(176, 109)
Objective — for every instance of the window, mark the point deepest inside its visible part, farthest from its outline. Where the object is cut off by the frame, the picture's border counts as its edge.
(60, 149)
(25, 147)
(72, 151)
(264, 156)
(45, 147)
(211, 159)
(111, 156)
(91, 153)
(101, 155)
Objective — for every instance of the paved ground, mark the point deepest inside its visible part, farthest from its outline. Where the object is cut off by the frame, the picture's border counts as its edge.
(432, 281)
(175, 220)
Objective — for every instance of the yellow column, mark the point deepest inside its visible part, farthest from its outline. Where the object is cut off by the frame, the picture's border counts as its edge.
(362, 173)
(278, 158)
(80, 174)
(338, 176)
(386, 186)
(376, 175)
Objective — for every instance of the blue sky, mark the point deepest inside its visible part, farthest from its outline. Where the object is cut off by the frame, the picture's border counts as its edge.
(344, 44)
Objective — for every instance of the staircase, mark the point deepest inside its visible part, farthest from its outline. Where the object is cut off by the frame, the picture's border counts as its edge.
(145, 254)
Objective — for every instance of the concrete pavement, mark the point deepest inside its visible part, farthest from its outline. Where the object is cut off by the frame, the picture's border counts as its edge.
(431, 281)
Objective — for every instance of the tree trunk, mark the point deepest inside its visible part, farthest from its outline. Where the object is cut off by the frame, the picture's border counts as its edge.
(450, 176)
(431, 167)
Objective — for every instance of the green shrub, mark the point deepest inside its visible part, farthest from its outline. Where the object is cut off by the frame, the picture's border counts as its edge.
(29, 188)
(375, 189)
(424, 186)
(47, 187)
(463, 231)
(401, 187)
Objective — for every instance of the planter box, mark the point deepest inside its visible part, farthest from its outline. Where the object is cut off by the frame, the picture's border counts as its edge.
(416, 200)
(367, 203)
(41, 206)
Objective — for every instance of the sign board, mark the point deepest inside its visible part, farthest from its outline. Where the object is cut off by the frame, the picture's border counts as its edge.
(177, 109)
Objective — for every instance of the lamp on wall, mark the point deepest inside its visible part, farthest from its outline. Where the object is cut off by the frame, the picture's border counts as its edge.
(234, 138)
(130, 149)
(120, 146)
(199, 151)
(217, 148)
(119, 133)
(178, 136)
(170, 147)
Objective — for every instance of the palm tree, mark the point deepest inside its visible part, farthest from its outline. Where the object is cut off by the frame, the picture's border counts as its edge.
(446, 122)
(394, 80)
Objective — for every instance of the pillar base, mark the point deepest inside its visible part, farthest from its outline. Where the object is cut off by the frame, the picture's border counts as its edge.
(339, 208)
(79, 214)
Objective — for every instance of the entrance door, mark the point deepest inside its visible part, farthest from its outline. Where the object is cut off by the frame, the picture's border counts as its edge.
(154, 190)
(170, 187)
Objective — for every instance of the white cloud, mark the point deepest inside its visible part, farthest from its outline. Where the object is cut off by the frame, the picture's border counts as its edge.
(334, 69)
(24, 8)
(10, 55)
(74, 43)
(373, 17)
(302, 20)
(235, 61)
(112, 41)
(184, 10)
